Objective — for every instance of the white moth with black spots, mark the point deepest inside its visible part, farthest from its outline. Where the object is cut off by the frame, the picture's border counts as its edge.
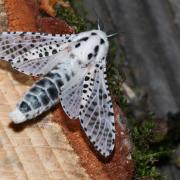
(73, 71)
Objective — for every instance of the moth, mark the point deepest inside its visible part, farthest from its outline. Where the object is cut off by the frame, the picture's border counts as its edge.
(72, 71)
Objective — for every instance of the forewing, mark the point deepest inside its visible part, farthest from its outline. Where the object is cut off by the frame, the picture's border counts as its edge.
(28, 52)
(71, 94)
(71, 98)
(40, 66)
(96, 112)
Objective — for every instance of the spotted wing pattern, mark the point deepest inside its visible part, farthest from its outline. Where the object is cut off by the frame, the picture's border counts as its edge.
(27, 52)
(96, 112)
(71, 99)
(71, 94)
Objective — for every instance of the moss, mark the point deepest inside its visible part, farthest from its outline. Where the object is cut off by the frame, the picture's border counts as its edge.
(146, 153)
(72, 18)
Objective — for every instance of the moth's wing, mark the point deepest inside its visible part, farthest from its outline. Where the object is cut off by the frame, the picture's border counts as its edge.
(96, 112)
(29, 52)
(71, 94)
(39, 66)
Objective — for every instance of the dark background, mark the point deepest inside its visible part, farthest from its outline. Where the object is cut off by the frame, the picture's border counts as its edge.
(150, 35)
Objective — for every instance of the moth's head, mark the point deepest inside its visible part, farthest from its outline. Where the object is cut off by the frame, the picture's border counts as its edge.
(102, 35)
(90, 46)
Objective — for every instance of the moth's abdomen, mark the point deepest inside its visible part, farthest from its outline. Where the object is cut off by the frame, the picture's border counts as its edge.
(42, 96)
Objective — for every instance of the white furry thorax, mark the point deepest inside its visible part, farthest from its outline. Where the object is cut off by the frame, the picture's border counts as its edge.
(91, 46)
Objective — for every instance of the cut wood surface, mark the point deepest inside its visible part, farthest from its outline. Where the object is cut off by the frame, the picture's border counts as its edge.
(52, 147)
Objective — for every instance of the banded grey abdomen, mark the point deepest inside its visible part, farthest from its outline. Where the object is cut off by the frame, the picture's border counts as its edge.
(42, 95)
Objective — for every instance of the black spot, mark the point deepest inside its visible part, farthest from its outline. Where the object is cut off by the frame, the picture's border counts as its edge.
(87, 115)
(90, 109)
(50, 47)
(24, 49)
(81, 106)
(96, 49)
(85, 86)
(24, 107)
(7, 52)
(11, 50)
(102, 41)
(97, 65)
(25, 59)
(110, 114)
(100, 91)
(94, 103)
(40, 55)
(90, 55)
(37, 37)
(93, 33)
(84, 39)
(67, 77)
(46, 53)
(84, 91)
(93, 142)
(54, 51)
(104, 96)
(32, 45)
(77, 45)
(13, 56)
(86, 78)
(96, 113)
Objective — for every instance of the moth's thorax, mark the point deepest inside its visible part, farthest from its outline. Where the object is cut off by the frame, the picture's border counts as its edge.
(90, 46)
